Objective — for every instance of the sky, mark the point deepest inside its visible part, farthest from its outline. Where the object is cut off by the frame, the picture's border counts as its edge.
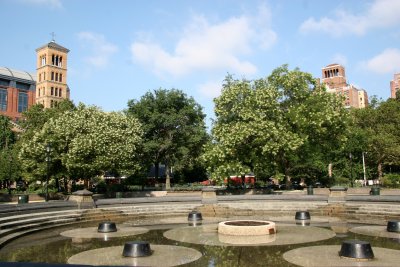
(121, 49)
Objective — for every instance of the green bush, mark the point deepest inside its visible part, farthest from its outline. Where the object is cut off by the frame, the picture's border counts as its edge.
(391, 180)
(342, 181)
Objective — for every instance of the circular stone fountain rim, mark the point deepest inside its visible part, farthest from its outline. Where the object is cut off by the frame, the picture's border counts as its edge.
(229, 228)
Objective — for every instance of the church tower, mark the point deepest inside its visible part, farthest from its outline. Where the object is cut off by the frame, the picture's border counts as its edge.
(51, 80)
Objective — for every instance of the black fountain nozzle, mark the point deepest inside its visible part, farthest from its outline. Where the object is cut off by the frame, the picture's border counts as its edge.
(107, 227)
(302, 215)
(195, 216)
(393, 226)
(135, 249)
(356, 249)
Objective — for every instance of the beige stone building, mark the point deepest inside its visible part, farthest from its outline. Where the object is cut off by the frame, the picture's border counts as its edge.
(395, 85)
(51, 74)
(334, 77)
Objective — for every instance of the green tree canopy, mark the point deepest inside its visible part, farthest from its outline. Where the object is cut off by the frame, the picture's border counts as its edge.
(271, 124)
(381, 126)
(85, 142)
(7, 137)
(174, 128)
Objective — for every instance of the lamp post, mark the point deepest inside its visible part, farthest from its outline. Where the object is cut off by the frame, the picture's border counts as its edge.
(48, 149)
(351, 169)
(9, 173)
(365, 176)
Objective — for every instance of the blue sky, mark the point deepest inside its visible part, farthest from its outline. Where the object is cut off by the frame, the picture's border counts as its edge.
(120, 49)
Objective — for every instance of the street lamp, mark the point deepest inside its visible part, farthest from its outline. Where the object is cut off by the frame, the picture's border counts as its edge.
(9, 173)
(365, 176)
(351, 169)
(48, 159)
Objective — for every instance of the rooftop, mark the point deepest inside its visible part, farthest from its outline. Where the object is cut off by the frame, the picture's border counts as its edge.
(17, 74)
(53, 45)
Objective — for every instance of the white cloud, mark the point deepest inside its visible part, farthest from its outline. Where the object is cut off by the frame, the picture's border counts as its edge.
(210, 89)
(379, 14)
(386, 62)
(49, 3)
(101, 49)
(206, 47)
(339, 59)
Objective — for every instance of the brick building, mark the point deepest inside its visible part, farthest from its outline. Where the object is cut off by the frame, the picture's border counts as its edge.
(334, 77)
(395, 85)
(19, 90)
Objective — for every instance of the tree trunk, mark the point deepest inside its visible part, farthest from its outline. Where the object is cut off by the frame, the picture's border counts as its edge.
(380, 173)
(167, 177)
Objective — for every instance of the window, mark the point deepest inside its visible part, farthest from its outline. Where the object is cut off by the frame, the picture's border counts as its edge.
(60, 93)
(52, 59)
(23, 86)
(51, 103)
(56, 77)
(39, 92)
(22, 101)
(44, 76)
(43, 59)
(52, 75)
(52, 91)
(60, 63)
(3, 99)
(56, 93)
(4, 82)
(60, 78)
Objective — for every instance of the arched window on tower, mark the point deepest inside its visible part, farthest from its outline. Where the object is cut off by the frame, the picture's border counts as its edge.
(56, 77)
(52, 59)
(60, 63)
(60, 93)
(60, 78)
(52, 75)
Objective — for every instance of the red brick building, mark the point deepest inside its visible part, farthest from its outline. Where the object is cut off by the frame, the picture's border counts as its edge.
(334, 77)
(17, 92)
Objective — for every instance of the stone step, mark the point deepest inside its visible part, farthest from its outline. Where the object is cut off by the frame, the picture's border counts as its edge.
(26, 226)
(4, 220)
(32, 219)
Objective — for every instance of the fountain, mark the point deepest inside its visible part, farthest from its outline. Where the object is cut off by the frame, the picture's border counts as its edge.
(393, 226)
(246, 227)
(136, 249)
(356, 249)
(106, 227)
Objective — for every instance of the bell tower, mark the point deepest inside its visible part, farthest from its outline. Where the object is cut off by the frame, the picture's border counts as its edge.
(51, 80)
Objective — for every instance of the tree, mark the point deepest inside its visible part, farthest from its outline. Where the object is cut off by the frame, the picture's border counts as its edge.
(272, 124)
(7, 137)
(174, 129)
(381, 124)
(85, 142)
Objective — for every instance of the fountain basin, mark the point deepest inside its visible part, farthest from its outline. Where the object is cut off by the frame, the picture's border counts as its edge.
(246, 227)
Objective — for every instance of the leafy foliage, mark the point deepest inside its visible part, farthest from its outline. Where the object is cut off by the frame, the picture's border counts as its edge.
(174, 129)
(85, 142)
(272, 124)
